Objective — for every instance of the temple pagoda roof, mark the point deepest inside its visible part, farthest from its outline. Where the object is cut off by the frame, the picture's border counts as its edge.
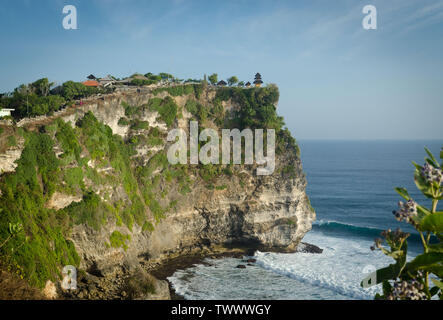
(258, 79)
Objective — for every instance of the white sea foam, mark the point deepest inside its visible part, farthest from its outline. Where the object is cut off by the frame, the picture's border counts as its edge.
(334, 274)
(340, 267)
(223, 280)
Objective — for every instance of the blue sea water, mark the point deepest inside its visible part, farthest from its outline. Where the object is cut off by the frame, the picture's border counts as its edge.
(351, 187)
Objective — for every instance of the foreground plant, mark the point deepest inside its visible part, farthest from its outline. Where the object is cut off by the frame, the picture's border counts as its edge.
(420, 278)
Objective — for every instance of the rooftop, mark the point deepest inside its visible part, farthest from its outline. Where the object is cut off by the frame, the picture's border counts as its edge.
(91, 83)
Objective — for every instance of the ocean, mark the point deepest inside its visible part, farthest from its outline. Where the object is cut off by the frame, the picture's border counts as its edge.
(351, 187)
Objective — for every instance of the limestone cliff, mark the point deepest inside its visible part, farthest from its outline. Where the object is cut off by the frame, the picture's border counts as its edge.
(113, 201)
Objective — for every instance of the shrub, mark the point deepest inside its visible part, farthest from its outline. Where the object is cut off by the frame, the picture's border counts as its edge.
(123, 121)
(91, 210)
(154, 138)
(156, 209)
(74, 180)
(181, 90)
(12, 142)
(96, 135)
(167, 109)
(131, 110)
(209, 172)
(199, 111)
(66, 135)
(405, 280)
(218, 113)
(139, 125)
(138, 285)
(191, 106)
(142, 82)
(118, 240)
(148, 226)
(75, 90)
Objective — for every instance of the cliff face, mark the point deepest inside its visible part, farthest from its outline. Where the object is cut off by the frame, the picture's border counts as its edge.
(122, 203)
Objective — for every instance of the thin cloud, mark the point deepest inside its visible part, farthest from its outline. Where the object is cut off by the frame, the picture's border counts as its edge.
(135, 19)
(404, 18)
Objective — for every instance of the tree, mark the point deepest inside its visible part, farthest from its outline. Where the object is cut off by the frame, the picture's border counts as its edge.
(205, 82)
(154, 78)
(213, 78)
(22, 93)
(42, 87)
(232, 80)
(70, 90)
(166, 76)
(241, 84)
(74, 90)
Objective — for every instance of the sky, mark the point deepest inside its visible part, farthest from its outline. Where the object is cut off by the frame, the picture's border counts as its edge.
(337, 80)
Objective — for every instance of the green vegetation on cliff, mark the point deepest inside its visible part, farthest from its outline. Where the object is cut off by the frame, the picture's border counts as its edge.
(117, 240)
(166, 108)
(180, 90)
(37, 98)
(88, 160)
(41, 248)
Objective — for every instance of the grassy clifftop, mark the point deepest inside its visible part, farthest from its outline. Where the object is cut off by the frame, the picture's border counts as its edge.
(125, 181)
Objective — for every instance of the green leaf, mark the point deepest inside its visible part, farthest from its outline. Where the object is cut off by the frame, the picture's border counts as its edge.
(425, 260)
(417, 166)
(432, 222)
(436, 269)
(438, 283)
(387, 288)
(423, 210)
(441, 154)
(433, 161)
(395, 254)
(434, 290)
(436, 247)
(422, 185)
(429, 161)
(403, 192)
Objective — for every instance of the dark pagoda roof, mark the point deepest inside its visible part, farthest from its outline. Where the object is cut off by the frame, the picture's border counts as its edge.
(257, 78)
(247, 83)
(91, 77)
(221, 83)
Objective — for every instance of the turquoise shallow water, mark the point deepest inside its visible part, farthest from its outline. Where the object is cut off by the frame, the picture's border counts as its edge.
(350, 184)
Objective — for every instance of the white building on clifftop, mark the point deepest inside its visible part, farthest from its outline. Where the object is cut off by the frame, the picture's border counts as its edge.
(5, 112)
